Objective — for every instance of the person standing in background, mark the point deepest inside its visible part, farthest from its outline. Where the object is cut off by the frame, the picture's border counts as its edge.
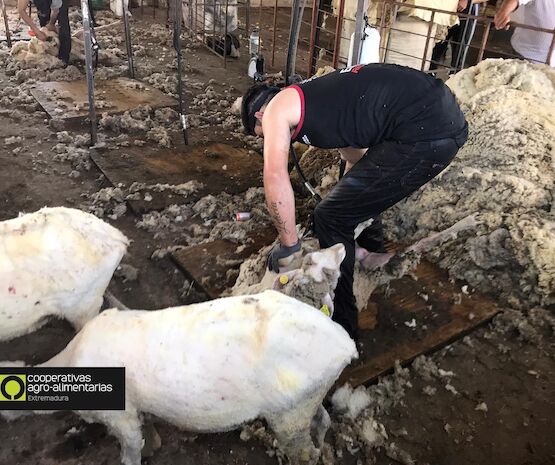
(532, 45)
(50, 12)
(460, 36)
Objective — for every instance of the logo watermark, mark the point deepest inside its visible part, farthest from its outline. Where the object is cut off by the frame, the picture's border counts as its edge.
(38, 388)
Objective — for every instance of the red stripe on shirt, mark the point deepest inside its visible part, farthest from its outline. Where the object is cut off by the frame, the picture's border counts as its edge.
(301, 120)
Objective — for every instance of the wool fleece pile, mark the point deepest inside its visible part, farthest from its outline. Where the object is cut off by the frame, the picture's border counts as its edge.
(506, 174)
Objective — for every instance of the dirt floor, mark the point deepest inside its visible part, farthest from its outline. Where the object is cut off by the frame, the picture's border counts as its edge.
(496, 407)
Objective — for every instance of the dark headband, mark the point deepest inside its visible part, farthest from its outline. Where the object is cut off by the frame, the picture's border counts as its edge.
(256, 104)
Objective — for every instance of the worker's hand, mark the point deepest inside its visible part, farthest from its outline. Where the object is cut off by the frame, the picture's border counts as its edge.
(40, 35)
(52, 27)
(503, 16)
(279, 253)
(501, 20)
(462, 5)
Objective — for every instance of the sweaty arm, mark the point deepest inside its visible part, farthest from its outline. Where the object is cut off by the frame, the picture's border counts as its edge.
(277, 185)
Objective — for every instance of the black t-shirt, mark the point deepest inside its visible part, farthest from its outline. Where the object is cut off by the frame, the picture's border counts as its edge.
(362, 106)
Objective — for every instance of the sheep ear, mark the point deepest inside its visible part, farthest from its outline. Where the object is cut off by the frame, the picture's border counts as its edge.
(283, 278)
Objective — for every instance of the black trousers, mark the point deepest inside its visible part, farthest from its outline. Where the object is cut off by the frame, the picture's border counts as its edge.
(386, 174)
(64, 31)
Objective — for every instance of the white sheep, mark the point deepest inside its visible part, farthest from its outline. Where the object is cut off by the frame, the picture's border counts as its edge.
(55, 262)
(310, 275)
(212, 366)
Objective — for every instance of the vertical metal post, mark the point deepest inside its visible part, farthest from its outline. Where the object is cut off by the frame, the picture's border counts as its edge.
(382, 31)
(225, 34)
(214, 27)
(6, 24)
(177, 45)
(274, 33)
(89, 68)
(362, 8)
(550, 52)
(129, 47)
(313, 30)
(392, 15)
(296, 16)
(204, 28)
(428, 35)
(259, 27)
(195, 30)
(462, 43)
(337, 39)
(474, 10)
(484, 41)
(248, 18)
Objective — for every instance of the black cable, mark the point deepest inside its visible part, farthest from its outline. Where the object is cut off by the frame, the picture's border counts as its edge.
(303, 177)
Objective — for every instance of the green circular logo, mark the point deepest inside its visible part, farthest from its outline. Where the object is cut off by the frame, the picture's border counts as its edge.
(12, 387)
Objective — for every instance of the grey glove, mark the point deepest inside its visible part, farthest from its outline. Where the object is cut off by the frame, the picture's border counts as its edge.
(280, 252)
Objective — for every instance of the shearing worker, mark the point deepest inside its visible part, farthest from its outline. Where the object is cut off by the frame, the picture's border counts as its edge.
(396, 128)
(50, 13)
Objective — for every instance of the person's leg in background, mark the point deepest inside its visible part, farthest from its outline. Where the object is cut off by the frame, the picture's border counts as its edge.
(440, 49)
(64, 33)
(463, 37)
(91, 11)
(43, 11)
(388, 173)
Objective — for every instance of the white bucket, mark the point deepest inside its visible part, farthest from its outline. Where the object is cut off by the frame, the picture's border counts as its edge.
(370, 52)
(117, 7)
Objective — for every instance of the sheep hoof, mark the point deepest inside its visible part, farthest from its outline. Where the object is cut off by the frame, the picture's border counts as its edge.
(152, 440)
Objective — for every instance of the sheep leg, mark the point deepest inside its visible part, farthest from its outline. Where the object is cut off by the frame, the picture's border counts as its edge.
(428, 243)
(114, 302)
(371, 260)
(320, 425)
(292, 430)
(125, 425)
(153, 442)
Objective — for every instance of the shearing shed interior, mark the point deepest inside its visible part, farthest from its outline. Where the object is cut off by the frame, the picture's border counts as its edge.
(270, 232)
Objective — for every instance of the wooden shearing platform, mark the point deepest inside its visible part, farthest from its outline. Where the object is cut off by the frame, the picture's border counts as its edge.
(219, 167)
(209, 264)
(413, 315)
(68, 100)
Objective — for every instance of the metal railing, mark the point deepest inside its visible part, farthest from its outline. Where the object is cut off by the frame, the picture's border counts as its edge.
(482, 47)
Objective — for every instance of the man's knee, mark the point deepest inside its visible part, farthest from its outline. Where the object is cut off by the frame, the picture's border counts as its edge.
(318, 215)
(323, 215)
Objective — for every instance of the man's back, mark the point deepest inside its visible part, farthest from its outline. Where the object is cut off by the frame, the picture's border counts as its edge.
(362, 106)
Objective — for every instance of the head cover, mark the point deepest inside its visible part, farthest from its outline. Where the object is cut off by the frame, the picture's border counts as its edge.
(253, 101)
